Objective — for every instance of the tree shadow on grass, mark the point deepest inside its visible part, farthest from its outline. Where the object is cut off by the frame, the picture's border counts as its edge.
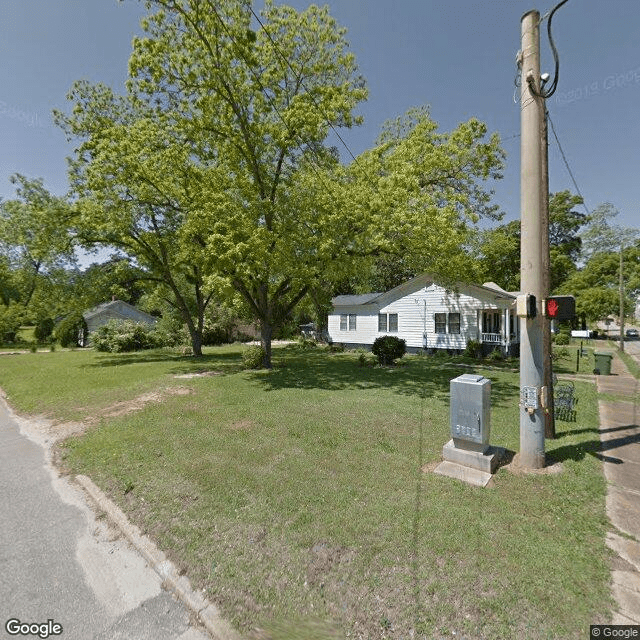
(412, 376)
(220, 362)
(603, 450)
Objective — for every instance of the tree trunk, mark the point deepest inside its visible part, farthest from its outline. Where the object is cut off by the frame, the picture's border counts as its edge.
(266, 332)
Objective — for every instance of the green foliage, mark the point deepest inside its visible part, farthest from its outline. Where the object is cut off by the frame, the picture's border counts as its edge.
(473, 349)
(10, 321)
(171, 331)
(44, 329)
(118, 336)
(496, 355)
(388, 348)
(367, 359)
(253, 357)
(71, 330)
(34, 236)
(562, 338)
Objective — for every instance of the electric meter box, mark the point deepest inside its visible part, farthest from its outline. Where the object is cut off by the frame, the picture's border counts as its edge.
(470, 397)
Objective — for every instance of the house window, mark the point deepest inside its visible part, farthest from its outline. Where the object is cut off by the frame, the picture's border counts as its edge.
(348, 322)
(441, 322)
(454, 323)
(388, 322)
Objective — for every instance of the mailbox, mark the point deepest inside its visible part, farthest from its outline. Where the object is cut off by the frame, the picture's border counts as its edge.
(470, 411)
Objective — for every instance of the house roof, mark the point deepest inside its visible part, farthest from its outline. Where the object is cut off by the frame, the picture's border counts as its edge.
(348, 301)
(115, 304)
(488, 289)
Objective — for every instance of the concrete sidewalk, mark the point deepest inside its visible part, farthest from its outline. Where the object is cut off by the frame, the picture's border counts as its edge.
(620, 451)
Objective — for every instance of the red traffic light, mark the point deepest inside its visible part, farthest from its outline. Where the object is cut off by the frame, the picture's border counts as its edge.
(561, 307)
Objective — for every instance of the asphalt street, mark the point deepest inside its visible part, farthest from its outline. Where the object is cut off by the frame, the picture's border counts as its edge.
(62, 567)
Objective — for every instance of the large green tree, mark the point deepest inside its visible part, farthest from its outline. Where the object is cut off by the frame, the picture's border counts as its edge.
(199, 165)
(35, 242)
(498, 249)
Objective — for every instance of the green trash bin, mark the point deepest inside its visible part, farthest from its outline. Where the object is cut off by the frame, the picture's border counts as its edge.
(602, 363)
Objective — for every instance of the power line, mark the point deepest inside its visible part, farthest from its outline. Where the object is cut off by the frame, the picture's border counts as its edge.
(566, 163)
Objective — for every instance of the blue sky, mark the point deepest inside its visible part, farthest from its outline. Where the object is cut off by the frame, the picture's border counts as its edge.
(458, 56)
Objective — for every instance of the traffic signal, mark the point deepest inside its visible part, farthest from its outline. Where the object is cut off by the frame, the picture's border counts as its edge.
(561, 308)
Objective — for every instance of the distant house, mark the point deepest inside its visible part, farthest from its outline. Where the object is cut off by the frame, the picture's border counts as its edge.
(115, 310)
(429, 316)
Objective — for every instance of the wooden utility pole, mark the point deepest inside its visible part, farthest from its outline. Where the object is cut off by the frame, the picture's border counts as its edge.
(621, 289)
(533, 397)
(549, 418)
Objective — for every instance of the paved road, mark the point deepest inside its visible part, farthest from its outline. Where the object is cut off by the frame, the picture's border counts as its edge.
(57, 562)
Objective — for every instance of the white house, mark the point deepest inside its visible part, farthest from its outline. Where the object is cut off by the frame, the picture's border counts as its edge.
(429, 316)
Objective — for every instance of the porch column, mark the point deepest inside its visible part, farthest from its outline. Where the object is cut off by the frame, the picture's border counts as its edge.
(507, 330)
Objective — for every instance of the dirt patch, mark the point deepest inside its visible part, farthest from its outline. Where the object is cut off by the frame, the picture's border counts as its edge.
(552, 467)
(47, 432)
(136, 404)
(198, 374)
(242, 425)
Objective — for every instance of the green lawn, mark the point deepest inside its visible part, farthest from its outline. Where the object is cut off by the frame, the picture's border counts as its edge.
(302, 499)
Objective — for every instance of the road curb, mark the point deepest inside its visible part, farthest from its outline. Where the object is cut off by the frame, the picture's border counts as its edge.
(205, 611)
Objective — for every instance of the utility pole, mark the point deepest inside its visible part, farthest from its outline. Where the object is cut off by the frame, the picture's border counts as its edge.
(621, 289)
(532, 427)
(549, 417)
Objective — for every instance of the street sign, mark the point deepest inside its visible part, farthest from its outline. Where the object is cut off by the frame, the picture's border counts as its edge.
(561, 307)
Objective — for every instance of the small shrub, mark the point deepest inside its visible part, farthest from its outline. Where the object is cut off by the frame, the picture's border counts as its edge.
(118, 336)
(44, 329)
(366, 359)
(253, 357)
(388, 348)
(562, 338)
(473, 349)
(71, 331)
(335, 347)
(10, 321)
(33, 347)
(496, 356)
(305, 343)
(559, 353)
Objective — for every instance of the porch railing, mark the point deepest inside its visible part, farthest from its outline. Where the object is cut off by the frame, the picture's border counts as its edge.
(493, 338)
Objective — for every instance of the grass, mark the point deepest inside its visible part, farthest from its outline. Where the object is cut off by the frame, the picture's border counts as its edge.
(632, 364)
(301, 499)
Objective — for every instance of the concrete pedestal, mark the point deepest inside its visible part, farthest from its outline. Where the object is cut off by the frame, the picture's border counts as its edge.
(472, 466)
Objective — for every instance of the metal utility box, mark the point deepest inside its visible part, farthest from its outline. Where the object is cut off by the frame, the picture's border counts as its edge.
(470, 397)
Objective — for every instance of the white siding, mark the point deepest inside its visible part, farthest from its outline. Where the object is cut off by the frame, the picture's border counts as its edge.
(366, 325)
(416, 318)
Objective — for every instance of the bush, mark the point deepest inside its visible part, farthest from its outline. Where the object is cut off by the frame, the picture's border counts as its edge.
(253, 357)
(118, 336)
(44, 329)
(71, 331)
(562, 338)
(388, 348)
(473, 349)
(367, 359)
(496, 356)
(10, 321)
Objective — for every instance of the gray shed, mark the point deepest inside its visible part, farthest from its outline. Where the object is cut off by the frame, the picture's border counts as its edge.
(115, 310)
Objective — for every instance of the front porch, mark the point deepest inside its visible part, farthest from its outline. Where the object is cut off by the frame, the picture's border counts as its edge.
(498, 329)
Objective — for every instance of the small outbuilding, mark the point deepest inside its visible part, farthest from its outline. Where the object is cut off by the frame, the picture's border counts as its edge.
(429, 316)
(114, 310)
